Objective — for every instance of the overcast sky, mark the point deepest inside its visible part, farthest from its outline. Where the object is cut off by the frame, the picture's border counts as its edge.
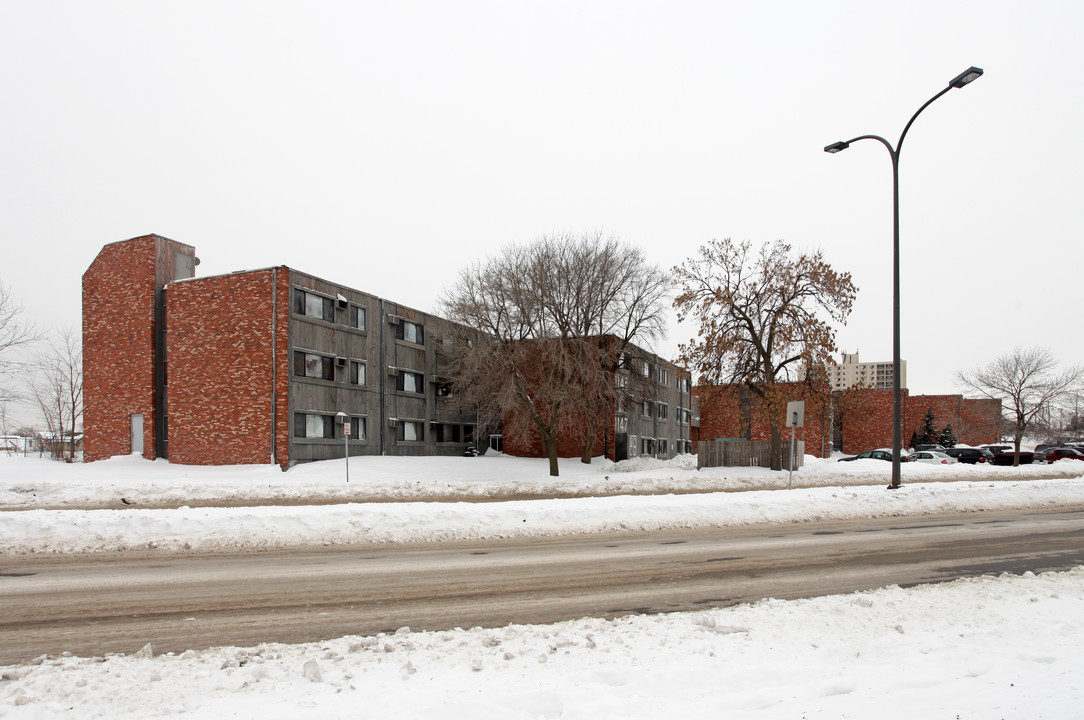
(386, 145)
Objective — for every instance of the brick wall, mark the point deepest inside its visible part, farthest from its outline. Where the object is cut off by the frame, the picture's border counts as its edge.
(121, 299)
(865, 417)
(228, 369)
(975, 422)
(521, 439)
(722, 416)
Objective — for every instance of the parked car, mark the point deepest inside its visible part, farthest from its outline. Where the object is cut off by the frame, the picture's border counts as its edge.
(1005, 455)
(871, 455)
(970, 455)
(937, 448)
(1063, 453)
(931, 457)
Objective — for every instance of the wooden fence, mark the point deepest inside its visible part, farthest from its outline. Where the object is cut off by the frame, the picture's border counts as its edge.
(745, 453)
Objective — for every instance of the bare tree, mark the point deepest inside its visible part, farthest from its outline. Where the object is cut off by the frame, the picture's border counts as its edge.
(15, 332)
(761, 316)
(549, 322)
(1029, 385)
(604, 295)
(58, 390)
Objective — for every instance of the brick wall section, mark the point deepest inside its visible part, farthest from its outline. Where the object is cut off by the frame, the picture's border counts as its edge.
(721, 416)
(526, 443)
(865, 416)
(980, 421)
(228, 375)
(121, 293)
(975, 422)
(866, 419)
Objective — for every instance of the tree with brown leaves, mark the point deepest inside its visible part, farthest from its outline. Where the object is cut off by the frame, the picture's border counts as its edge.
(761, 315)
(549, 322)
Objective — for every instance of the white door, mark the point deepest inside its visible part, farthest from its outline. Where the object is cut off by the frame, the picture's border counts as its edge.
(137, 434)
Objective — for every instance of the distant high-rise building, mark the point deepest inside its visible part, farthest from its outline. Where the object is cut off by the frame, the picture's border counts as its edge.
(852, 373)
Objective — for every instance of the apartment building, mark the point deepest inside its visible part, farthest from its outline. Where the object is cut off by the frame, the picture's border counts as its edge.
(275, 365)
(851, 373)
(268, 365)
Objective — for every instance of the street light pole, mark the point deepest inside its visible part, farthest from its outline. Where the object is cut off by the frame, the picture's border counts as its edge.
(959, 81)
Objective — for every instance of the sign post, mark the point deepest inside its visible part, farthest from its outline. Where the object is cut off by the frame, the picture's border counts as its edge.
(345, 420)
(795, 418)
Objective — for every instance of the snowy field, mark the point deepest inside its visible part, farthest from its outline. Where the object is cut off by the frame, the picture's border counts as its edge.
(993, 647)
(130, 495)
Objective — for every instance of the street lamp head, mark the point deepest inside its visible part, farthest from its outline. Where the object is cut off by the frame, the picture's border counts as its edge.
(972, 73)
(836, 147)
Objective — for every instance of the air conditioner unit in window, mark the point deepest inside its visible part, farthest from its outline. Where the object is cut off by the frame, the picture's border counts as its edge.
(342, 302)
(393, 371)
(393, 422)
(340, 361)
(393, 319)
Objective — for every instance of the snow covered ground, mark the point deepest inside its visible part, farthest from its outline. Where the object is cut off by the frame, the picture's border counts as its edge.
(1006, 647)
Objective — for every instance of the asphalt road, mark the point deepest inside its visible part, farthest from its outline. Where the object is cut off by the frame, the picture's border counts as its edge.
(92, 605)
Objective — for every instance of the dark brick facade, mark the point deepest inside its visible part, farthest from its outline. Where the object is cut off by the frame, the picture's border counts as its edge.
(729, 412)
(228, 370)
(122, 302)
(863, 418)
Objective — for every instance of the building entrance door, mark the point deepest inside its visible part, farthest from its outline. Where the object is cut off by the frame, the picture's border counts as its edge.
(137, 434)
(621, 447)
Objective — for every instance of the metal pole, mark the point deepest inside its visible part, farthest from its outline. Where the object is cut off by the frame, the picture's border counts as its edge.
(790, 473)
(959, 81)
(897, 418)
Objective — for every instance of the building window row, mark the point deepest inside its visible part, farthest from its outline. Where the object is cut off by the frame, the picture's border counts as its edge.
(313, 365)
(314, 426)
(322, 367)
(322, 426)
(454, 433)
(322, 307)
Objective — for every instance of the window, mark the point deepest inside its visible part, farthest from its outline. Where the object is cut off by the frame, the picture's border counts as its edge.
(357, 373)
(410, 382)
(312, 365)
(663, 411)
(647, 446)
(646, 408)
(664, 376)
(662, 447)
(645, 368)
(411, 430)
(683, 416)
(357, 317)
(314, 426)
(454, 433)
(411, 332)
(622, 380)
(357, 428)
(683, 384)
(313, 305)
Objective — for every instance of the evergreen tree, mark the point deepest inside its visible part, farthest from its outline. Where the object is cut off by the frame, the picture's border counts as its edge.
(948, 437)
(926, 433)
